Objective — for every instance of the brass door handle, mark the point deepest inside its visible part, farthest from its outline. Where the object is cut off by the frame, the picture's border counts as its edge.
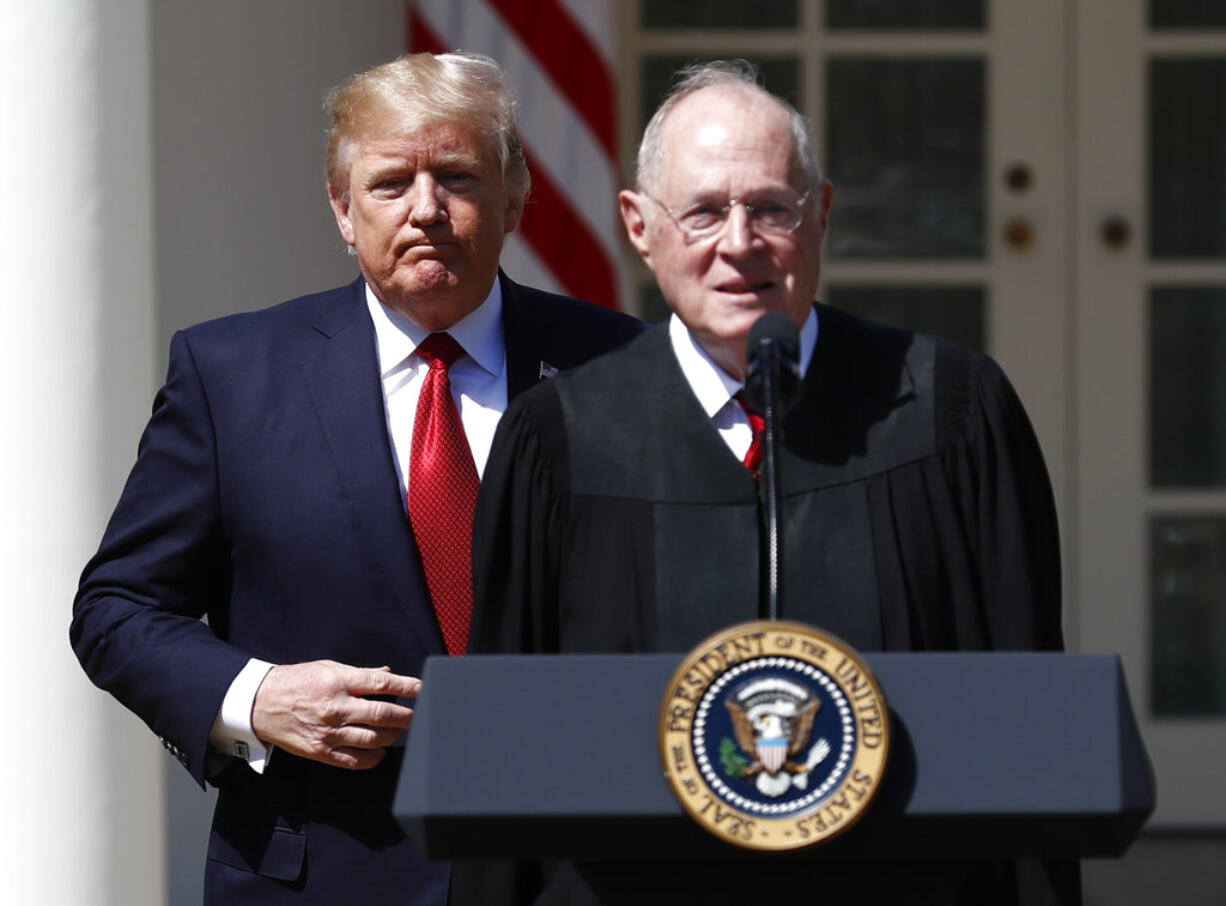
(1019, 234)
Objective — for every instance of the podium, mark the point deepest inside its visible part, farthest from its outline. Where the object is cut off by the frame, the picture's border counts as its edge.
(993, 756)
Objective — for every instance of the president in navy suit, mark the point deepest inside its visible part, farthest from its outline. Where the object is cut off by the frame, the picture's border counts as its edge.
(259, 598)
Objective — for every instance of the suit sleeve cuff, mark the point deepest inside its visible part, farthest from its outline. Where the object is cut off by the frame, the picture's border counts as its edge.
(231, 734)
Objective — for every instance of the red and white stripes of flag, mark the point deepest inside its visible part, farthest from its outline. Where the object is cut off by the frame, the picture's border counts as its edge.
(558, 56)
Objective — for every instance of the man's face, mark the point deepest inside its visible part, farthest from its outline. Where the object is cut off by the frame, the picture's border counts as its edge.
(723, 143)
(427, 214)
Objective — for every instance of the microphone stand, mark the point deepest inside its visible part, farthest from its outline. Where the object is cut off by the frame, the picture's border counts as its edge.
(769, 487)
(772, 383)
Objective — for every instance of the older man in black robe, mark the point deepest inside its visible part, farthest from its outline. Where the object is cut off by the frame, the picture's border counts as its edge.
(617, 513)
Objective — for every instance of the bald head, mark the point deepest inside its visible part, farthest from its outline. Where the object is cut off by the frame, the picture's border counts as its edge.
(738, 81)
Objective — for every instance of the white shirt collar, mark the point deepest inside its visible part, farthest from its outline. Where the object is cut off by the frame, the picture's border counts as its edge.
(479, 332)
(711, 384)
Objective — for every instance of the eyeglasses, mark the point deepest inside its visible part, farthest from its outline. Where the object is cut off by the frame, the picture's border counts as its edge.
(777, 213)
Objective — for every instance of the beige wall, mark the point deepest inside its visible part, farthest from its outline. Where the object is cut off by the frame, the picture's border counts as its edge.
(241, 211)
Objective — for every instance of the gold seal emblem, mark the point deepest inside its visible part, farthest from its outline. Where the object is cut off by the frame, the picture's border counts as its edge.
(774, 735)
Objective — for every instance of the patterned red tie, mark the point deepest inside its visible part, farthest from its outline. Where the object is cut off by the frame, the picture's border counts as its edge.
(443, 486)
(753, 456)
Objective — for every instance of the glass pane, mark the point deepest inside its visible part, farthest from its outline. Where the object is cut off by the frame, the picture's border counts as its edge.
(1187, 392)
(1187, 178)
(906, 153)
(1188, 631)
(780, 75)
(954, 312)
(951, 14)
(1187, 13)
(660, 14)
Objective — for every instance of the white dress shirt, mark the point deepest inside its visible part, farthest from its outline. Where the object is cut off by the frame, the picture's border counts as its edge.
(715, 388)
(479, 386)
(478, 379)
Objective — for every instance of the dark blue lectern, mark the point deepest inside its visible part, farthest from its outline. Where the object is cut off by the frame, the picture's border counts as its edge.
(993, 756)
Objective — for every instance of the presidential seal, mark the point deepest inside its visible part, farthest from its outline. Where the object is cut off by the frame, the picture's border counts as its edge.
(774, 735)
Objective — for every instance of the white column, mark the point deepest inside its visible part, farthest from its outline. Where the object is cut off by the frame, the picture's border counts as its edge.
(81, 797)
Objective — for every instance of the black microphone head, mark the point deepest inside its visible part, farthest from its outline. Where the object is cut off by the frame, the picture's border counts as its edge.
(773, 327)
(773, 339)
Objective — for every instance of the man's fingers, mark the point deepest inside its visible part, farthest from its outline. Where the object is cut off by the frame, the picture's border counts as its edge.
(347, 711)
(355, 759)
(333, 712)
(381, 681)
(361, 737)
(380, 714)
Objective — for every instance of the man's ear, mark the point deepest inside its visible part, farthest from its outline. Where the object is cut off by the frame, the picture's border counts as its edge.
(340, 209)
(825, 197)
(514, 214)
(631, 204)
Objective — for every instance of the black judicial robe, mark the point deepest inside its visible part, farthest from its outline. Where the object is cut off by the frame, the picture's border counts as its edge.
(918, 511)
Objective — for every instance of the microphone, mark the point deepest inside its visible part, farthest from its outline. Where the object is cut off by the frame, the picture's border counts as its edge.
(772, 384)
(774, 342)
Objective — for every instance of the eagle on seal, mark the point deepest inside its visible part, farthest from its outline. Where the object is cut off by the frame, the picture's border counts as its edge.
(772, 720)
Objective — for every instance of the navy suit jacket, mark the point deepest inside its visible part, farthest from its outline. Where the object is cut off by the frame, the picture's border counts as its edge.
(264, 518)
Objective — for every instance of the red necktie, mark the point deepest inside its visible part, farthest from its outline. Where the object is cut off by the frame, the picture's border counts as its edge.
(753, 456)
(443, 486)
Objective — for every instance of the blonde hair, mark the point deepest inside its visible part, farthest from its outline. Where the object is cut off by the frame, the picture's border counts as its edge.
(419, 90)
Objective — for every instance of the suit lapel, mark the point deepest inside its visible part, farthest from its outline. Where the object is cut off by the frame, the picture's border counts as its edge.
(525, 334)
(343, 378)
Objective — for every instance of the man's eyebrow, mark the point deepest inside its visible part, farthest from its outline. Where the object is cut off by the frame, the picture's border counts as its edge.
(384, 162)
(387, 170)
(705, 196)
(456, 159)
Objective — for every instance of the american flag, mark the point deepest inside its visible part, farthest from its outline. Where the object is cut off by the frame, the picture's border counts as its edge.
(558, 56)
